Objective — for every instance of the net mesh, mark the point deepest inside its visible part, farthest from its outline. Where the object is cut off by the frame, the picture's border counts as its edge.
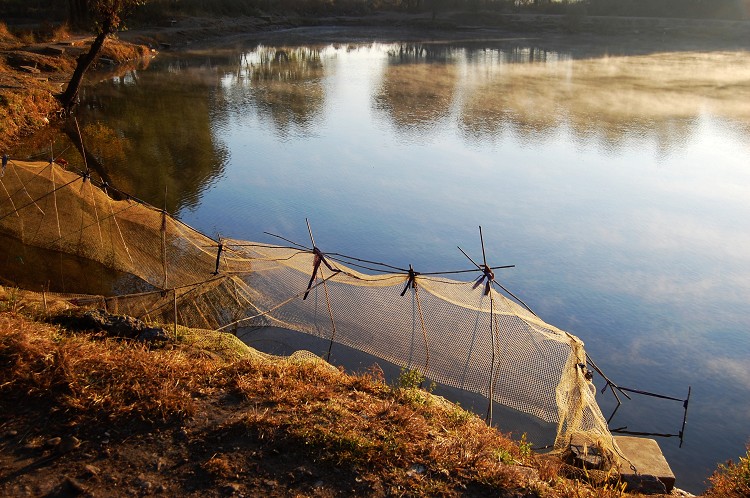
(455, 333)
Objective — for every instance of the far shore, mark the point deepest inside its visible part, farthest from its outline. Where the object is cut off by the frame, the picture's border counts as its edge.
(32, 73)
(200, 33)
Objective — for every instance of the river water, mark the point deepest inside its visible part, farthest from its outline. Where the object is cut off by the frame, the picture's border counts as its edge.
(617, 182)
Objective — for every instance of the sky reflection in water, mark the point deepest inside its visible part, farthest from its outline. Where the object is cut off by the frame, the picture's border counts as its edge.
(618, 185)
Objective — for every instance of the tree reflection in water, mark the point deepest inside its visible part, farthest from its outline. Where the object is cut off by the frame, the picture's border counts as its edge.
(418, 86)
(282, 85)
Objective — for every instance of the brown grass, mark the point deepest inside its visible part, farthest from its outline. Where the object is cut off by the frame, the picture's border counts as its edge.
(120, 51)
(95, 380)
(43, 33)
(218, 466)
(731, 480)
(5, 35)
(24, 111)
(397, 440)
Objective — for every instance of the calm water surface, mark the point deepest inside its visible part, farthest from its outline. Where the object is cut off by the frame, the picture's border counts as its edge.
(618, 185)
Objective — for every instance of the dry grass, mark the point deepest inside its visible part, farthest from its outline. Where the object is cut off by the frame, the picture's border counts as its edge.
(121, 51)
(27, 101)
(219, 467)
(395, 440)
(43, 33)
(5, 35)
(95, 380)
(731, 480)
(24, 110)
(411, 440)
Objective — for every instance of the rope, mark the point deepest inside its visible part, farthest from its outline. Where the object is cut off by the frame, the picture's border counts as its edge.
(23, 184)
(39, 198)
(424, 329)
(13, 204)
(96, 215)
(274, 308)
(164, 245)
(92, 224)
(493, 345)
(330, 314)
(54, 203)
(23, 187)
(198, 304)
(119, 231)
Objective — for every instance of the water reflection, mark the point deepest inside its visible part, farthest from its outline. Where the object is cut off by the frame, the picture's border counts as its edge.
(38, 269)
(282, 85)
(418, 86)
(163, 122)
(611, 101)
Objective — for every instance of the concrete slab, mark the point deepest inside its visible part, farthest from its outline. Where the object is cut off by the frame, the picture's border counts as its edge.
(585, 453)
(652, 473)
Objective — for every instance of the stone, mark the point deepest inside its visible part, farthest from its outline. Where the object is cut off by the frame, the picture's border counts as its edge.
(652, 474)
(52, 50)
(52, 442)
(232, 488)
(153, 334)
(72, 486)
(415, 470)
(144, 484)
(529, 474)
(68, 443)
(585, 454)
(92, 470)
(114, 325)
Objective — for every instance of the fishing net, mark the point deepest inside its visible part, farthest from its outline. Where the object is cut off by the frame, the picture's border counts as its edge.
(466, 335)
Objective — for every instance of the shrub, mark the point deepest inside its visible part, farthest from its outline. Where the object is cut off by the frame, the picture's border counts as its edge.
(732, 480)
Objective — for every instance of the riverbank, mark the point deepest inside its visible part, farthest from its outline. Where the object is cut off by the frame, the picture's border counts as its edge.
(100, 405)
(95, 411)
(33, 71)
(297, 30)
(34, 68)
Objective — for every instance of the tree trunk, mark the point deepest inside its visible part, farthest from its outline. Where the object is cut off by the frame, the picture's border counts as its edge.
(68, 97)
(92, 161)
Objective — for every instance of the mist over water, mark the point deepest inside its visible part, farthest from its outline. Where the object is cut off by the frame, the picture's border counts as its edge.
(618, 185)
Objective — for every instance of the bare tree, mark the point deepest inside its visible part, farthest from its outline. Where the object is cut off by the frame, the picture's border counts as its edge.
(106, 17)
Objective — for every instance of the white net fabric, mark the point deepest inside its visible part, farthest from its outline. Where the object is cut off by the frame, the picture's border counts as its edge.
(454, 332)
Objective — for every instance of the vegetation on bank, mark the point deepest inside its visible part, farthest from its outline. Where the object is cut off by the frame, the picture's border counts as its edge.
(732, 479)
(35, 65)
(354, 428)
(222, 417)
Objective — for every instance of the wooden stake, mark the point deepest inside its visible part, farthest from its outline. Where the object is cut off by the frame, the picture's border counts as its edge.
(175, 313)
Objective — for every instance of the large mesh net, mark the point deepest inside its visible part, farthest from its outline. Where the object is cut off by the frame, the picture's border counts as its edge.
(456, 333)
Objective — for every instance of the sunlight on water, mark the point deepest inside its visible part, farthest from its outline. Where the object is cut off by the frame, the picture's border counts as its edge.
(618, 184)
